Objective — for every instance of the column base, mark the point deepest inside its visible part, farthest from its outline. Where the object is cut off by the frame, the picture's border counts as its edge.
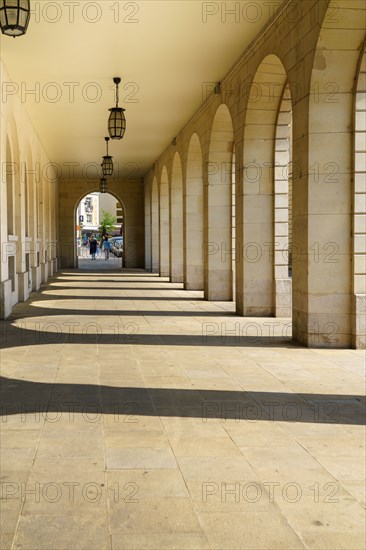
(24, 285)
(359, 321)
(44, 272)
(283, 294)
(6, 299)
(194, 277)
(36, 278)
(321, 331)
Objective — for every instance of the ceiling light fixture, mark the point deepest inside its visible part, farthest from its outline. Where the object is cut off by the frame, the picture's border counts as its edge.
(107, 164)
(117, 120)
(103, 185)
(14, 17)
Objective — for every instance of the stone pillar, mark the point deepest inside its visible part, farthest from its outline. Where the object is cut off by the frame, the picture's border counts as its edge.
(322, 251)
(147, 205)
(359, 221)
(164, 225)
(217, 200)
(176, 222)
(193, 218)
(155, 227)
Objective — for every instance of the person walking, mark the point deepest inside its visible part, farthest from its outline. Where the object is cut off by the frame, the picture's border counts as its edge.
(93, 246)
(107, 248)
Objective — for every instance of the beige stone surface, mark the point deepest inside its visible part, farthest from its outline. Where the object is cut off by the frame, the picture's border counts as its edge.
(190, 434)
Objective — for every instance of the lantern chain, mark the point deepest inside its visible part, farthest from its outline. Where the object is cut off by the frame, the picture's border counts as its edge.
(117, 95)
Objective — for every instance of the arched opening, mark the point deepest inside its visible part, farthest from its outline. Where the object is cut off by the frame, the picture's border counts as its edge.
(147, 206)
(100, 215)
(26, 203)
(9, 188)
(41, 226)
(322, 187)
(39, 193)
(155, 226)
(176, 222)
(29, 177)
(11, 247)
(283, 207)
(35, 227)
(218, 222)
(359, 210)
(256, 293)
(193, 218)
(27, 245)
(46, 228)
(53, 231)
(233, 226)
(164, 226)
(16, 257)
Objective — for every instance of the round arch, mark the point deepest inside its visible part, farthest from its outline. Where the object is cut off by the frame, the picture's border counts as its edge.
(75, 208)
(14, 172)
(155, 260)
(359, 208)
(218, 198)
(193, 217)
(256, 249)
(9, 174)
(15, 214)
(31, 208)
(283, 173)
(176, 221)
(9, 267)
(323, 190)
(147, 210)
(164, 225)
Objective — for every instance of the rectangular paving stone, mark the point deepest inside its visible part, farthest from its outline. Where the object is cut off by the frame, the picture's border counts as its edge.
(135, 458)
(204, 447)
(147, 483)
(242, 530)
(163, 541)
(42, 532)
(155, 515)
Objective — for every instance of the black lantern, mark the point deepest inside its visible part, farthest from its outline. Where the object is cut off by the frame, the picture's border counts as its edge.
(103, 185)
(107, 164)
(117, 120)
(14, 17)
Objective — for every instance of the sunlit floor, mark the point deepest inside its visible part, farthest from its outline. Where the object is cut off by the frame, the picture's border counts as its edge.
(136, 415)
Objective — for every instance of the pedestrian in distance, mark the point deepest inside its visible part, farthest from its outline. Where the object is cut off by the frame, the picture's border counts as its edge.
(107, 248)
(93, 246)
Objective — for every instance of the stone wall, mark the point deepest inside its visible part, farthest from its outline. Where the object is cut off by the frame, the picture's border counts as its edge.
(314, 49)
(28, 205)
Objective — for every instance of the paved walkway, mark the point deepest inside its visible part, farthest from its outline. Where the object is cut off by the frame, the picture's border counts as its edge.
(138, 416)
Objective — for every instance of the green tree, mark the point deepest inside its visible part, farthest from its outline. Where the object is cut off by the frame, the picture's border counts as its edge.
(108, 221)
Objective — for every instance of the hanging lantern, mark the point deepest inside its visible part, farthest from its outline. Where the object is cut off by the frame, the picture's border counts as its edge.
(107, 164)
(117, 120)
(103, 185)
(14, 17)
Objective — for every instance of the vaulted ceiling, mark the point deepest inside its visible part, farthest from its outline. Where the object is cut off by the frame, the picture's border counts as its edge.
(167, 52)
